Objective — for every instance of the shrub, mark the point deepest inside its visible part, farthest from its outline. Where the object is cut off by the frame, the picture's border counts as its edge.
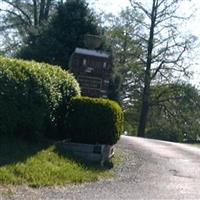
(32, 96)
(164, 134)
(94, 121)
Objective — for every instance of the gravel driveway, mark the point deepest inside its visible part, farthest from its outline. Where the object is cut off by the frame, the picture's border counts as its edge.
(150, 170)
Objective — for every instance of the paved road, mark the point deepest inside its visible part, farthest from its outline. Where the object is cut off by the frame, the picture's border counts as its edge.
(153, 170)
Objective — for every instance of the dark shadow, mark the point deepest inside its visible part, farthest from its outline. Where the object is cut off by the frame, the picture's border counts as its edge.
(91, 165)
(13, 150)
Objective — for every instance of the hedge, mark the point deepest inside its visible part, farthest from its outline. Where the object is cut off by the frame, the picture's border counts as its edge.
(94, 121)
(33, 97)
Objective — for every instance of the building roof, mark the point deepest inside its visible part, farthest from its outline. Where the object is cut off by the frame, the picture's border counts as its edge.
(91, 53)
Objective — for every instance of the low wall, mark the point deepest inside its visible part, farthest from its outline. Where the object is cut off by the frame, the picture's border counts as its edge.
(98, 153)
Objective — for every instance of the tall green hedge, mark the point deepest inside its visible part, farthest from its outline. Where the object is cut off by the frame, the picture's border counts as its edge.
(94, 121)
(33, 97)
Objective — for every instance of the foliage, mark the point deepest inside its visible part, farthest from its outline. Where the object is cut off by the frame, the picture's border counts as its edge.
(121, 33)
(42, 164)
(94, 121)
(131, 119)
(55, 42)
(21, 18)
(176, 107)
(114, 89)
(163, 48)
(164, 134)
(33, 97)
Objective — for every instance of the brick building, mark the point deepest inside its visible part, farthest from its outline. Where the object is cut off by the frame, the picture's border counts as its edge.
(93, 70)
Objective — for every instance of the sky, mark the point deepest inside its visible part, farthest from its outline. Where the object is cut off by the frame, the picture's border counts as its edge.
(108, 6)
(193, 26)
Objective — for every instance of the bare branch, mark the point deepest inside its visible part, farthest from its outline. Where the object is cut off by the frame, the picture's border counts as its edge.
(138, 5)
(20, 10)
(17, 15)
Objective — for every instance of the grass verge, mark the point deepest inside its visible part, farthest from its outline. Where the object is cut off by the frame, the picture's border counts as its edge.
(43, 165)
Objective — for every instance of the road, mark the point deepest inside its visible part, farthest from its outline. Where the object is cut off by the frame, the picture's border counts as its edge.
(153, 170)
(167, 171)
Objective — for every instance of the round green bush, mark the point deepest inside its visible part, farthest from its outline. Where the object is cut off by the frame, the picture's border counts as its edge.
(94, 121)
(164, 134)
(33, 97)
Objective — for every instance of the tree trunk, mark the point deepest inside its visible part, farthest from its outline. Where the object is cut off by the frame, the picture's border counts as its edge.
(46, 13)
(147, 79)
(42, 11)
(144, 110)
(35, 13)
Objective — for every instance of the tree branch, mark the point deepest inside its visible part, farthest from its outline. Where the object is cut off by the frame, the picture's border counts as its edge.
(17, 15)
(20, 10)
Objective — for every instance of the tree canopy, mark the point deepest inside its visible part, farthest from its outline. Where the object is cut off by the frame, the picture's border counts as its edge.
(20, 18)
(163, 47)
(176, 108)
(55, 42)
(121, 34)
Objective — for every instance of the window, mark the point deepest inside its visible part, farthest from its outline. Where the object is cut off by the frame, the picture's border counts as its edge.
(84, 62)
(106, 81)
(104, 65)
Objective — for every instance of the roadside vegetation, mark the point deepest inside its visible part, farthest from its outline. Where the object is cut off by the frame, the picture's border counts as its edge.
(37, 106)
(43, 164)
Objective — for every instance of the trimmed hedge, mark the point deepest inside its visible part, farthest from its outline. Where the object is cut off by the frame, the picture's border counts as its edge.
(33, 97)
(94, 121)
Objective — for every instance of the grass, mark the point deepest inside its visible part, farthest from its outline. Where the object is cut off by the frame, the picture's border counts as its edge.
(43, 165)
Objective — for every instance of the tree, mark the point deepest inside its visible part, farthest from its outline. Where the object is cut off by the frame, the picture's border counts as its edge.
(176, 108)
(55, 42)
(121, 34)
(163, 45)
(174, 113)
(19, 18)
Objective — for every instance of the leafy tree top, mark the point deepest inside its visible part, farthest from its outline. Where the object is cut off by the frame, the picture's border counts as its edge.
(55, 42)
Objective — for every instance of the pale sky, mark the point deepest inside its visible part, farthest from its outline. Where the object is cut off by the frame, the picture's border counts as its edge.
(193, 26)
(108, 6)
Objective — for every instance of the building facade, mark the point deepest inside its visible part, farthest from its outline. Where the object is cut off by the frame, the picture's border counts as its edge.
(93, 71)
